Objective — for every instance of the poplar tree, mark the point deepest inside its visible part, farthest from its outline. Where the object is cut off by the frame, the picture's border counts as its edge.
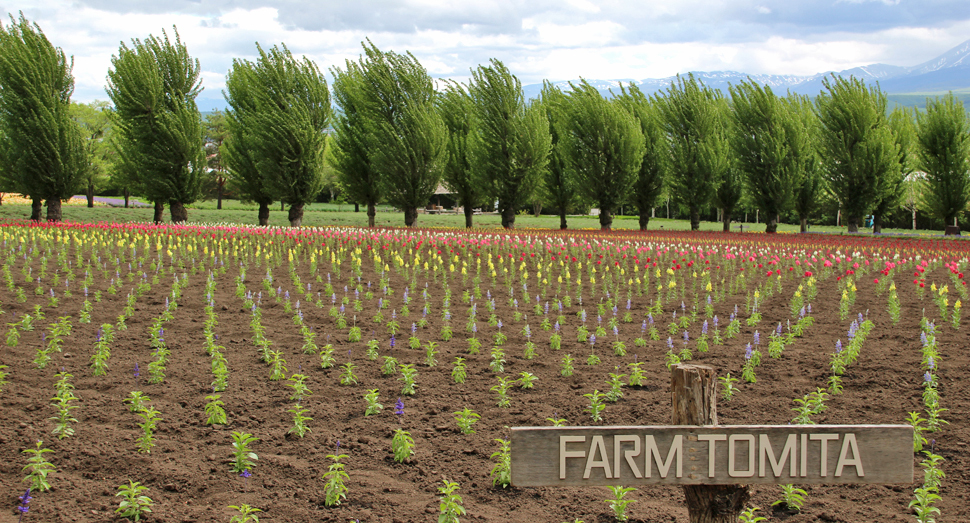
(557, 184)
(856, 145)
(153, 85)
(902, 125)
(760, 140)
(698, 149)
(803, 147)
(94, 120)
(455, 107)
(653, 167)
(944, 155)
(240, 144)
(41, 148)
(283, 108)
(509, 142)
(405, 139)
(350, 155)
(604, 147)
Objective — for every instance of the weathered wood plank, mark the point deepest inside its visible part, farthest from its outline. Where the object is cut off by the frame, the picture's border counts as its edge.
(683, 455)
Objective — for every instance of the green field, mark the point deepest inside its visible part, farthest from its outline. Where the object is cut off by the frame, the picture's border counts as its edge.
(325, 214)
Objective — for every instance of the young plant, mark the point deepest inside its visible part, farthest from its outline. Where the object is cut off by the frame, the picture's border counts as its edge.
(450, 507)
(497, 363)
(596, 405)
(136, 400)
(430, 350)
(748, 516)
(246, 514)
(335, 489)
(371, 351)
(617, 503)
(566, 368)
(459, 372)
(402, 445)
(616, 386)
(501, 473)
(213, 409)
(727, 386)
(150, 420)
(300, 390)
(527, 380)
(348, 377)
(38, 468)
(465, 419)
(373, 407)
(502, 389)
(792, 498)
(326, 357)
(409, 376)
(134, 505)
(243, 458)
(299, 420)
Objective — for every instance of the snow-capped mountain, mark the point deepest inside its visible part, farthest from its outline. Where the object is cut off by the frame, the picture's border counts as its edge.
(948, 72)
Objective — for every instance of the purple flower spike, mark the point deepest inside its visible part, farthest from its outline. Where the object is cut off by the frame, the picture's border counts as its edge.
(245, 474)
(747, 352)
(24, 504)
(838, 346)
(399, 407)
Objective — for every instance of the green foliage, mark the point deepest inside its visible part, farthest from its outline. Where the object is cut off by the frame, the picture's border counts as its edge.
(279, 107)
(409, 376)
(465, 418)
(41, 147)
(243, 458)
(501, 473)
(373, 407)
(792, 498)
(402, 444)
(38, 468)
(150, 420)
(604, 147)
(133, 505)
(459, 371)
(153, 85)
(617, 503)
(856, 145)
(596, 405)
(450, 507)
(335, 489)
(509, 141)
(299, 421)
(944, 150)
(246, 514)
(691, 117)
(213, 409)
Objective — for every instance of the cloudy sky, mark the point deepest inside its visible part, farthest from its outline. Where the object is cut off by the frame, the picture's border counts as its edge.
(537, 39)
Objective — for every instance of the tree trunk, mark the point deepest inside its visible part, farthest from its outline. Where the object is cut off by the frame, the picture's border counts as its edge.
(127, 195)
(54, 210)
(877, 224)
(852, 223)
(35, 208)
(371, 214)
(357, 209)
(178, 211)
(263, 213)
(914, 218)
(644, 221)
(508, 217)
(219, 196)
(282, 205)
(90, 195)
(159, 209)
(726, 220)
(296, 214)
(410, 216)
(804, 224)
(694, 402)
(695, 219)
(469, 212)
(771, 226)
(537, 209)
(562, 220)
(1, 198)
(606, 220)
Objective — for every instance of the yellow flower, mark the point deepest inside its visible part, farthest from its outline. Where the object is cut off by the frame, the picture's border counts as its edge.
(957, 305)
(708, 288)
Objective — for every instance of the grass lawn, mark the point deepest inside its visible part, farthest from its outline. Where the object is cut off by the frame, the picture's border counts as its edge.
(325, 214)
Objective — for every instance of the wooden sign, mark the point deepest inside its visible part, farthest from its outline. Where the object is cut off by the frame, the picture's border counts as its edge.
(712, 455)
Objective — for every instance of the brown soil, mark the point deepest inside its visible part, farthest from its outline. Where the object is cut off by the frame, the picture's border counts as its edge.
(188, 473)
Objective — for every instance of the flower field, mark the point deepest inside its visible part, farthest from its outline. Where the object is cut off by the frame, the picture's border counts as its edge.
(371, 375)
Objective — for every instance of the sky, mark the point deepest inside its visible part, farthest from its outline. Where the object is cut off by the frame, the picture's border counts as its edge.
(536, 39)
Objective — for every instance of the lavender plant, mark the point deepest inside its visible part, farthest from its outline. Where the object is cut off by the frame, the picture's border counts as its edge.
(501, 473)
(300, 389)
(373, 407)
(215, 414)
(465, 418)
(596, 405)
(348, 377)
(502, 389)
(451, 504)
(566, 367)
(459, 371)
(527, 380)
(150, 420)
(246, 514)
(618, 504)
(409, 376)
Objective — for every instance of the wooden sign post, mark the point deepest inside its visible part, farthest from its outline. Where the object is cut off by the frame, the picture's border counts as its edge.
(714, 464)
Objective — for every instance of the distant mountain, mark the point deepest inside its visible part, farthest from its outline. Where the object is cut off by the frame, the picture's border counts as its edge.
(948, 72)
